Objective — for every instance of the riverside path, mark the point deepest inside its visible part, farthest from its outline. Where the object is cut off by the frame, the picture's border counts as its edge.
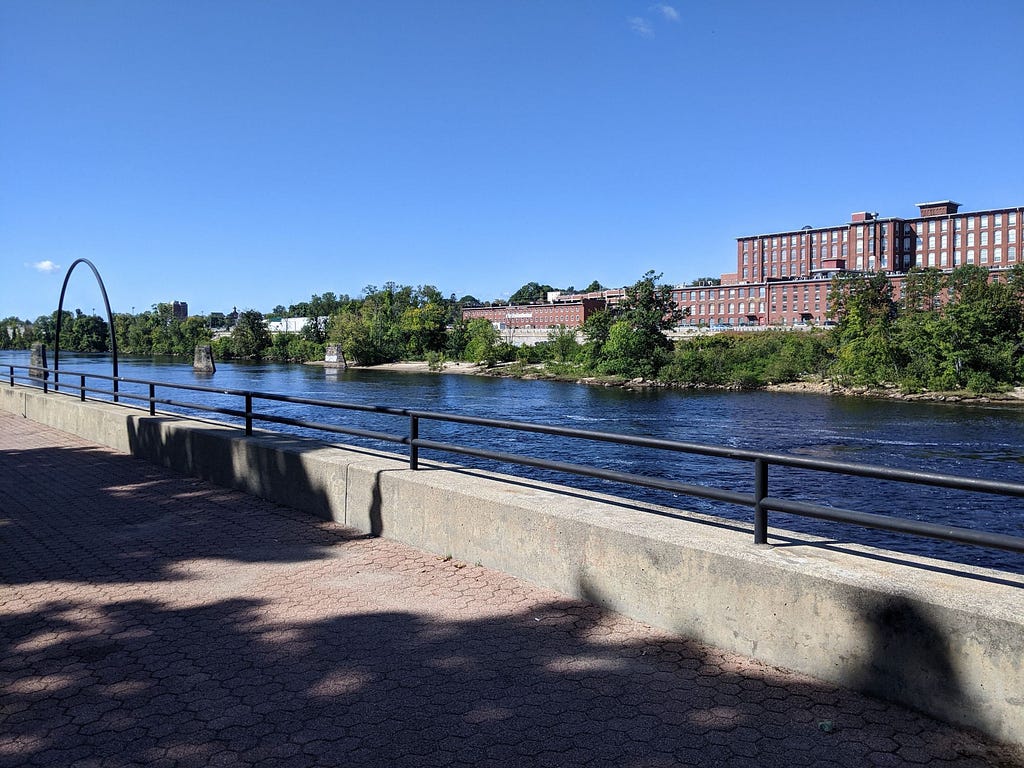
(148, 618)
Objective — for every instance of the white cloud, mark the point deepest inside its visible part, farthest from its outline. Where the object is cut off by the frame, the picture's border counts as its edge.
(44, 266)
(641, 26)
(667, 11)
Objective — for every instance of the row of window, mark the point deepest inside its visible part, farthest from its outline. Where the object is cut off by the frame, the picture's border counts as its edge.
(909, 228)
(941, 259)
(786, 290)
(833, 235)
(981, 239)
(963, 222)
(722, 293)
(743, 307)
(798, 319)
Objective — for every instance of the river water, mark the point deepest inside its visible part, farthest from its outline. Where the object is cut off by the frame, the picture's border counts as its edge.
(976, 441)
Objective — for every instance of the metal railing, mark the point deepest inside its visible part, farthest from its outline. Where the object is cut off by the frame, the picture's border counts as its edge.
(760, 500)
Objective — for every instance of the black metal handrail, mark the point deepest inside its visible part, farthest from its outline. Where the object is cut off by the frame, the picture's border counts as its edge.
(759, 500)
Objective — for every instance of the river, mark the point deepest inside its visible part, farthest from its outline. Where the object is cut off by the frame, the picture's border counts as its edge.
(975, 440)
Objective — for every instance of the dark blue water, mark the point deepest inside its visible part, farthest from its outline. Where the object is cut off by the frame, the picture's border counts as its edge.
(975, 441)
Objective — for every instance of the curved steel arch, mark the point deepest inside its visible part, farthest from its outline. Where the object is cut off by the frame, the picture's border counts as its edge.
(60, 318)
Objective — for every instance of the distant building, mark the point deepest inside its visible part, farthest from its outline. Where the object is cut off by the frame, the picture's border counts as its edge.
(180, 310)
(567, 311)
(292, 324)
(783, 278)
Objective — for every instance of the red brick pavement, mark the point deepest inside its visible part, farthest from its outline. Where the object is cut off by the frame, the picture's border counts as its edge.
(153, 619)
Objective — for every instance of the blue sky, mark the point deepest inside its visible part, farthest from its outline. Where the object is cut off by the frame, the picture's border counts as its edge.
(230, 153)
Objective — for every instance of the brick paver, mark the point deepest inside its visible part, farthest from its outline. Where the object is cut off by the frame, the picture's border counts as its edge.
(153, 619)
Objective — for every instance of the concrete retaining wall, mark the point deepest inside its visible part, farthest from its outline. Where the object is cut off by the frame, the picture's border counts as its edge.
(943, 638)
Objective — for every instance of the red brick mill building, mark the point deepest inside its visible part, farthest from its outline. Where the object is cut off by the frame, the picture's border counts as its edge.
(783, 278)
(530, 323)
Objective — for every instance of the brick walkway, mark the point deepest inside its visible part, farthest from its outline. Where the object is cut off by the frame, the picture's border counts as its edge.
(153, 619)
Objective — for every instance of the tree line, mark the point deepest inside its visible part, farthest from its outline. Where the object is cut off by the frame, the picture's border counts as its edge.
(962, 330)
(155, 332)
(944, 331)
(385, 324)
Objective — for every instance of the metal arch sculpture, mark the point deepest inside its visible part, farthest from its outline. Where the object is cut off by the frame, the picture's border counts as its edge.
(60, 318)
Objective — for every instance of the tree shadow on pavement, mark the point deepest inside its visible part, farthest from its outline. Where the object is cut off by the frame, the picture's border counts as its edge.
(77, 513)
(236, 682)
(151, 619)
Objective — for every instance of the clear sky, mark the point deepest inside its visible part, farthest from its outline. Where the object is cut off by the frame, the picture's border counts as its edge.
(251, 153)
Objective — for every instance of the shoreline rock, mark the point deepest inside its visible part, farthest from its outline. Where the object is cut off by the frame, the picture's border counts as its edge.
(1012, 398)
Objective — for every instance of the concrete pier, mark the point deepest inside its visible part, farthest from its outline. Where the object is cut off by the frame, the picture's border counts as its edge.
(38, 368)
(202, 361)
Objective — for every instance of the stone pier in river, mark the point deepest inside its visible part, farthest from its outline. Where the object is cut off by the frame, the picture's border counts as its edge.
(334, 355)
(37, 362)
(203, 360)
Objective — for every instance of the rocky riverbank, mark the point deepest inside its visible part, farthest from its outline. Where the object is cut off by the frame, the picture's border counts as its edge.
(415, 366)
(1015, 395)
(819, 387)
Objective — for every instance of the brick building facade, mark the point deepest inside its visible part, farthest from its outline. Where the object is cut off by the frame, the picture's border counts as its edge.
(569, 311)
(783, 278)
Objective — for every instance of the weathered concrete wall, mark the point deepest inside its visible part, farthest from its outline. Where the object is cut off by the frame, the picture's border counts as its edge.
(946, 639)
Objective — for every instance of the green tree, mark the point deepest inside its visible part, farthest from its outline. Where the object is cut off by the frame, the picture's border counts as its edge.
(382, 310)
(137, 336)
(531, 293)
(85, 333)
(165, 331)
(866, 352)
(319, 309)
(424, 328)
(922, 290)
(748, 360)
(250, 337)
(982, 334)
(637, 344)
(562, 346)
(917, 329)
(482, 346)
(44, 329)
(456, 339)
(349, 330)
(14, 333)
(195, 330)
(595, 330)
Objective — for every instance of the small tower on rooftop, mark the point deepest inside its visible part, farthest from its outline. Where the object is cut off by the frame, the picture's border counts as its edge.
(938, 208)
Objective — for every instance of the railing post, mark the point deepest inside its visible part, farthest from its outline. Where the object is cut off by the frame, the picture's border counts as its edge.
(152, 399)
(248, 414)
(115, 389)
(414, 434)
(12, 375)
(81, 388)
(760, 492)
